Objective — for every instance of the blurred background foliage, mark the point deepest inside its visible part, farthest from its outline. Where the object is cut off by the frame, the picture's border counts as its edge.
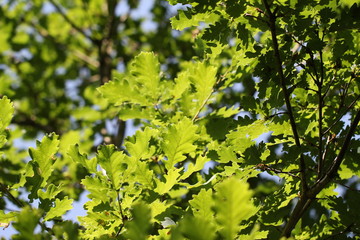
(53, 56)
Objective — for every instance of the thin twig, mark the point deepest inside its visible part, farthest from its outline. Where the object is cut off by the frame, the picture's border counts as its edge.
(265, 167)
(123, 217)
(332, 170)
(346, 230)
(341, 115)
(86, 58)
(345, 186)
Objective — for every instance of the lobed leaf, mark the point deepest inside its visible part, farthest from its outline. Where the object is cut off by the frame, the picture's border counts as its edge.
(43, 157)
(60, 208)
(232, 203)
(171, 178)
(121, 91)
(6, 113)
(203, 77)
(139, 226)
(185, 19)
(77, 157)
(197, 228)
(178, 141)
(6, 218)
(202, 204)
(113, 162)
(140, 148)
(146, 70)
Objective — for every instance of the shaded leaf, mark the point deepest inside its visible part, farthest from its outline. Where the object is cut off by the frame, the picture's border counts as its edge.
(60, 208)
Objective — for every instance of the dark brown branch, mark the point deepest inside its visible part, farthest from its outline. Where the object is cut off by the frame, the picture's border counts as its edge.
(301, 206)
(320, 122)
(119, 138)
(278, 63)
(105, 48)
(331, 172)
(350, 188)
(321, 102)
(123, 217)
(306, 199)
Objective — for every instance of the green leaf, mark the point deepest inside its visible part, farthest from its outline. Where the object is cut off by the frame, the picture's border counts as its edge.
(86, 113)
(255, 234)
(195, 228)
(7, 217)
(89, 164)
(121, 91)
(143, 174)
(113, 162)
(280, 128)
(136, 112)
(60, 208)
(157, 207)
(232, 203)
(97, 188)
(182, 83)
(179, 141)
(171, 178)
(185, 19)
(139, 226)
(226, 153)
(140, 86)
(140, 148)
(51, 192)
(226, 112)
(202, 204)
(203, 77)
(6, 113)
(145, 68)
(191, 168)
(26, 222)
(43, 157)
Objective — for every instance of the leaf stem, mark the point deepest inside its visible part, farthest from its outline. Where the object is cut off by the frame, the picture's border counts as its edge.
(123, 217)
(207, 98)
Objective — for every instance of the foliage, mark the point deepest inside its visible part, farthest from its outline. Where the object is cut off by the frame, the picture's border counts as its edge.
(269, 89)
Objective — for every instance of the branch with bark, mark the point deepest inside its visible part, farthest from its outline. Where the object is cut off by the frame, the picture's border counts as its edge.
(308, 194)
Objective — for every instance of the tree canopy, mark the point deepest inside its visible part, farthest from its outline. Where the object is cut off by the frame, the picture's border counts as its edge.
(247, 115)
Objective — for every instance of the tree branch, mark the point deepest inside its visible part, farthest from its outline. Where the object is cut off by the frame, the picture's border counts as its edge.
(306, 199)
(332, 170)
(278, 63)
(341, 115)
